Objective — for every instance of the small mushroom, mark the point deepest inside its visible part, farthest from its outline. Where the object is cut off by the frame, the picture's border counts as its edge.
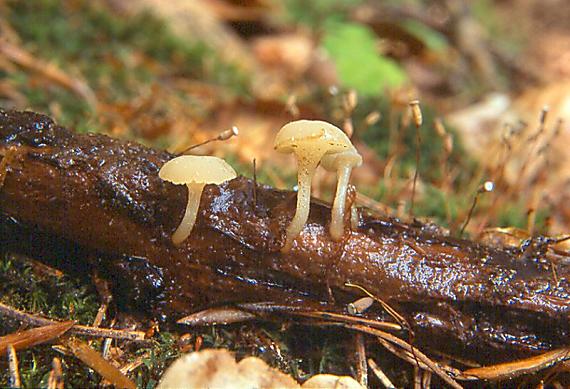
(195, 172)
(312, 141)
(342, 163)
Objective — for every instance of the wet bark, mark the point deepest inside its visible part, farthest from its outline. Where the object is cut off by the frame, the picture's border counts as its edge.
(94, 194)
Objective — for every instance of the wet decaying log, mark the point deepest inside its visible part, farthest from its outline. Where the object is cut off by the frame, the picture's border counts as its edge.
(91, 196)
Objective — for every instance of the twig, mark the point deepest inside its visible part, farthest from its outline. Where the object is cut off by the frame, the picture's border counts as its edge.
(76, 329)
(15, 381)
(224, 135)
(55, 380)
(391, 311)
(100, 315)
(27, 60)
(344, 319)
(254, 185)
(417, 116)
(417, 377)
(488, 186)
(380, 374)
(373, 205)
(426, 379)
(523, 366)
(95, 361)
(406, 346)
(29, 338)
(126, 369)
(361, 369)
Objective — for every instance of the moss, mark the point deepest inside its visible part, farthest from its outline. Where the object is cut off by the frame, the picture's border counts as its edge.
(161, 354)
(25, 288)
(514, 215)
(117, 56)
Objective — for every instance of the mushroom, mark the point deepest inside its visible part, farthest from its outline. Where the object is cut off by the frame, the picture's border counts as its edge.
(195, 172)
(342, 163)
(311, 141)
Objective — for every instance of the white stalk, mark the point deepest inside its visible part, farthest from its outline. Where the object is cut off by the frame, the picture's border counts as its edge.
(339, 203)
(189, 219)
(307, 166)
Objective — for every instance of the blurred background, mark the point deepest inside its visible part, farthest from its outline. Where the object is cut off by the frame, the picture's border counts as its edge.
(176, 73)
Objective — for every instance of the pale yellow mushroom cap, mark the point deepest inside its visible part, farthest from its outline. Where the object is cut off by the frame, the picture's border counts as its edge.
(188, 169)
(195, 172)
(350, 157)
(311, 135)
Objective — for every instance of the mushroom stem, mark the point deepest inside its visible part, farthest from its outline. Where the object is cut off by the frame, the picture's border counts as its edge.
(339, 203)
(189, 219)
(307, 167)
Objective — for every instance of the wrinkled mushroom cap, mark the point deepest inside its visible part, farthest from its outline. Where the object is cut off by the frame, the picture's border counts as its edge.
(189, 169)
(315, 135)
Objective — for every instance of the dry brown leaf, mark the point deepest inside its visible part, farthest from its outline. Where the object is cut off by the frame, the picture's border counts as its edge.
(288, 53)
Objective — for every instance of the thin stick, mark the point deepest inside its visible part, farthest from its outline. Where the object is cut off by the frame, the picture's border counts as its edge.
(361, 369)
(417, 377)
(488, 186)
(391, 311)
(407, 347)
(254, 185)
(426, 379)
(380, 374)
(15, 381)
(76, 329)
(417, 115)
(340, 318)
(55, 380)
(25, 339)
(519, 367)
(100, 315)
(95, 361)
(48, 70)
(469, 214)
(224, 135)
(129, 367)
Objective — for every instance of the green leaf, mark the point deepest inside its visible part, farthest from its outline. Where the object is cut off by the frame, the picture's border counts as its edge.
(360, 66)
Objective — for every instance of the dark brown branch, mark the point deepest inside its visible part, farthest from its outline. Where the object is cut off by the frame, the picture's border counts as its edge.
(104, 195)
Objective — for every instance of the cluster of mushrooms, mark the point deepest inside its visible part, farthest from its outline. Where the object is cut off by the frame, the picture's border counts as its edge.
(312, 142)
